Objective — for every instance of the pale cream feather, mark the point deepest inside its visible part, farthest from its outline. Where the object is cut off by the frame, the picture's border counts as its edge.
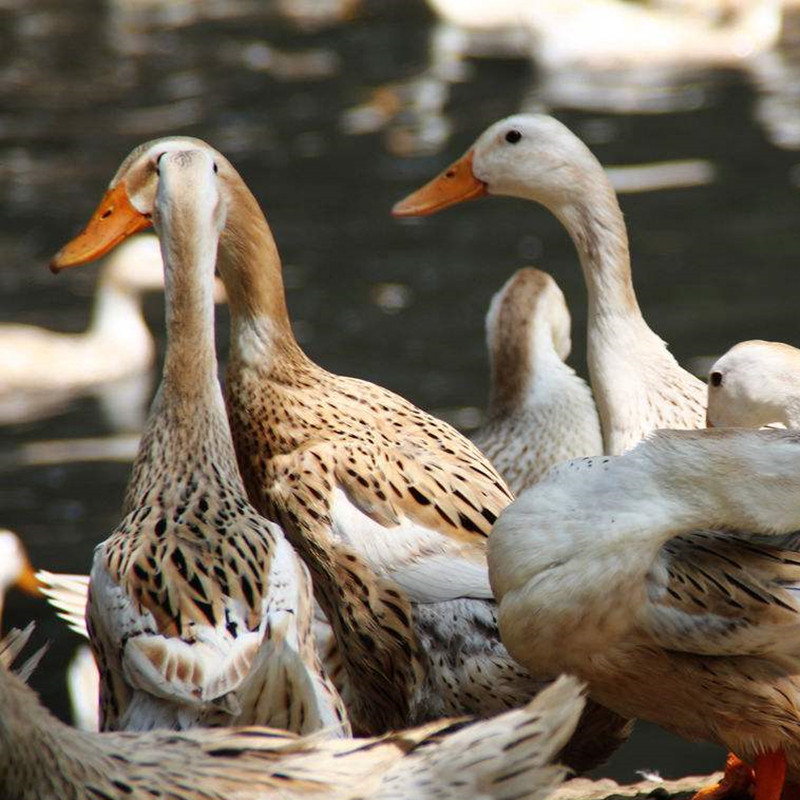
(669, 580)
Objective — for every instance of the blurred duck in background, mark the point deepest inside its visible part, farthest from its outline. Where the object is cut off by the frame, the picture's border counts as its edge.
(40, 369)
(637, 383)
(540, 412)
(116, 344)
(615, 56)
(755, 383)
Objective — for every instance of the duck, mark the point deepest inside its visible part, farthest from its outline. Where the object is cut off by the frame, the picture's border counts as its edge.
(606, 34)
(199, 610)
(389, 507)
(40, 369)
(16, 571)
(512, 755)
(116, 344)
(540, 411)
(756, 383)
(636, 382)
(665, 578)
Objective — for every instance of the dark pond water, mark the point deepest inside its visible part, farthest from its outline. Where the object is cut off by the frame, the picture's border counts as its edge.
(297, 107)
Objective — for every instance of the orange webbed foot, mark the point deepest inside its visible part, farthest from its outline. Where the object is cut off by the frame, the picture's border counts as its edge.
(737, 782)
(770, 775)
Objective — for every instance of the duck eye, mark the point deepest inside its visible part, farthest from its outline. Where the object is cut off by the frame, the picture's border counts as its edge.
(216, 168)
(158, 161)
(715, 378)
(513, 136)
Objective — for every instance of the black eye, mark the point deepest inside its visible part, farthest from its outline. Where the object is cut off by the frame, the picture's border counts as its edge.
(513, 136)
(216, 168)
(715, 378)
(158, 161)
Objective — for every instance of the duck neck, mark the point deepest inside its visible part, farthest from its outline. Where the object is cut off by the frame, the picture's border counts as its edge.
(518, 365)
(261, 332)
(190, 364)
(595, 224)
(630, 368)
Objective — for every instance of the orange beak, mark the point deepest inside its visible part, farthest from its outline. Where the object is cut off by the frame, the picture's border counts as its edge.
(27, 581)
(114, 221)
(455, 185)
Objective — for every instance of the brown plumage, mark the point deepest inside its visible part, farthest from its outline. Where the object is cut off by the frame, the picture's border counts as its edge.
(199, 611)
(507, 757)
(389, 507)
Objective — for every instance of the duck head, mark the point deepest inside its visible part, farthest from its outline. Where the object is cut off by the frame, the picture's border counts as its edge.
(532, 156)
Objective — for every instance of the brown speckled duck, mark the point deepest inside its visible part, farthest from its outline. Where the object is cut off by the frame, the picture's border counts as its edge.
(389, 507)
(199, 610)
(509, 757)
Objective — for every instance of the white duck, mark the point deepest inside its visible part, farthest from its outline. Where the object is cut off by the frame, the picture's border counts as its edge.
(510, 756)
(637, 384)
(755, 383)
(540, 412)
(116, 344)
(669, 580)
(600, 34)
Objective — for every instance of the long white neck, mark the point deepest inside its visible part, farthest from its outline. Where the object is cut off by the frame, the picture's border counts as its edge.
(637, 384)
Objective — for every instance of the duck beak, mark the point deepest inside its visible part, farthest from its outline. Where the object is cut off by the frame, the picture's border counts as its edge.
(27, 581)
(114, 221)
(455, 185)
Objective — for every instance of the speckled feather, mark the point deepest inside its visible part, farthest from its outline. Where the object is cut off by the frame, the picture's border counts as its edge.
(193, 584)
(394, 464)
(508, 757)
(336, 461)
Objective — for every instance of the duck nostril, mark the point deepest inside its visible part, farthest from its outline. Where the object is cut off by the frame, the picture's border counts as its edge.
(107, 213)
(715, 378)
(450, 173)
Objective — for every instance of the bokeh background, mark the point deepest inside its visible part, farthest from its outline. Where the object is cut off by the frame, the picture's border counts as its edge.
(334, 109)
